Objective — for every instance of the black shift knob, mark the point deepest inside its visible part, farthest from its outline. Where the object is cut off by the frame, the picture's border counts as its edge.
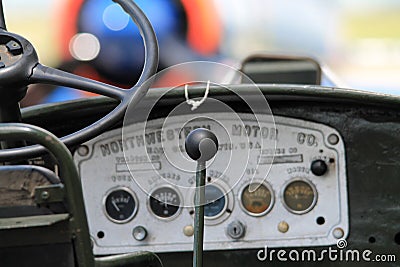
(201, 144)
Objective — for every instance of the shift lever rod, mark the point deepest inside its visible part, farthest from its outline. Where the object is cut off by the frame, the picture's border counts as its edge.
(201, 145)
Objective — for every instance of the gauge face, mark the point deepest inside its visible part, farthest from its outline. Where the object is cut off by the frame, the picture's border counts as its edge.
(216, 202)
(299, 196)
(257, 202)
(120, 205)
(165, 202)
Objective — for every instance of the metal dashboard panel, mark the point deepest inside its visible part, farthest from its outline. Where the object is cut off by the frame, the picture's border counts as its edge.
(102, 166)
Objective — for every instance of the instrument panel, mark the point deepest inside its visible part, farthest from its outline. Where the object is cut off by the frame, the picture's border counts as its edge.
(275, 181)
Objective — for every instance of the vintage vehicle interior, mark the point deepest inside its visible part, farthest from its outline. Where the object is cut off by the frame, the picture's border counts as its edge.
(222, 168)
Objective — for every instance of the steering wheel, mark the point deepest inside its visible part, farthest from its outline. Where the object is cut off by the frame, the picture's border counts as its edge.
(20, 67)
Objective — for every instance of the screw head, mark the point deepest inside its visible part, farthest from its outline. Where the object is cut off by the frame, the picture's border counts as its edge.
(83, 150)
(45, 195)
(333, 139)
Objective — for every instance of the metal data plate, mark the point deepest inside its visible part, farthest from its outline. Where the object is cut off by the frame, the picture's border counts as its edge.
(293, 207)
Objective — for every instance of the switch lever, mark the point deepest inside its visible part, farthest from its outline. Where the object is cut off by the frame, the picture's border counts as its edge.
(201, 145)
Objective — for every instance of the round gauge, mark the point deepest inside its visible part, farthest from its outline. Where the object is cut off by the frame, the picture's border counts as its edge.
(216, 202)
(165, 202)
(120, 205)
(256, 199)
(299, 196)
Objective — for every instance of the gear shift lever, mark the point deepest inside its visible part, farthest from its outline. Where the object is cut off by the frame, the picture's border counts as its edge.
(201, 145)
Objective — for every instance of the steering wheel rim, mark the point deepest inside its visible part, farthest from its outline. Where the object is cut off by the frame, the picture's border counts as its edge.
(39, 73)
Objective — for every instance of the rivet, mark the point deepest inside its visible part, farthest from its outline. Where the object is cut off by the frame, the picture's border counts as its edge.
(338, 233)
(333, 139)
(83, 151)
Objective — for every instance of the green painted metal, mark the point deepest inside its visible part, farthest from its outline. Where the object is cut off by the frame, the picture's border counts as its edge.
(136, 259)
(70, 178)
(199, 215)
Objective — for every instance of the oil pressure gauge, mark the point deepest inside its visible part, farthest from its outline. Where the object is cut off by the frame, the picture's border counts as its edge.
(299, 196)
(120, 205)
(164, 202)
(257, 199)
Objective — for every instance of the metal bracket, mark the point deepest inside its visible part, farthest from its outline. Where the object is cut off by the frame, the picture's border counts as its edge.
(49, 194)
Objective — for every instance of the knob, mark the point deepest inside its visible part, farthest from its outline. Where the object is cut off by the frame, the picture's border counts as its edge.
(201, 144)
(139, 233)
(319, 167)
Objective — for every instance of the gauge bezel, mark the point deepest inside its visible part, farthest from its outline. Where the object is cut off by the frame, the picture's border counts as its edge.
(177, 213)
(271, 205)
(223, 210)
(129, 191)
(229, 203)
(299, 179)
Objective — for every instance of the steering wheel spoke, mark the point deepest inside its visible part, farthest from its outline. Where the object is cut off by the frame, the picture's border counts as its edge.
(2, 19)
(48, 75)
(23, 68)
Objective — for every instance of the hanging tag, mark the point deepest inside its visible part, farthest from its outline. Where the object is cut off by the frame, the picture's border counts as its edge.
(195, 104)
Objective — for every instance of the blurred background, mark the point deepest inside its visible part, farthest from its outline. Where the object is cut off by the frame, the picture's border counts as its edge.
(358, 40)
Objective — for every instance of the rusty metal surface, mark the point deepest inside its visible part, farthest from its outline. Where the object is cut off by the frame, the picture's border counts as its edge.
(17, 185)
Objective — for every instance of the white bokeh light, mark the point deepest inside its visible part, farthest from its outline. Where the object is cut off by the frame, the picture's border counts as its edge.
(84, 46)
(114, 19)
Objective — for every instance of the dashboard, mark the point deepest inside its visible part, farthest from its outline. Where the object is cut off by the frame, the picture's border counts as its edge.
(333, 176)
(280, 182)
(298, 169)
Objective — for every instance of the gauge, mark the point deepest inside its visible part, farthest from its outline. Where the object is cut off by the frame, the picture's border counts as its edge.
(165, 202)
(216, 202)
(256, 199)
(120, 205)
(299, 196)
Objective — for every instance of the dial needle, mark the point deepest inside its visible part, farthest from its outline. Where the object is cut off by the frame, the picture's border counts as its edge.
(165, 201)
(115, 205)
